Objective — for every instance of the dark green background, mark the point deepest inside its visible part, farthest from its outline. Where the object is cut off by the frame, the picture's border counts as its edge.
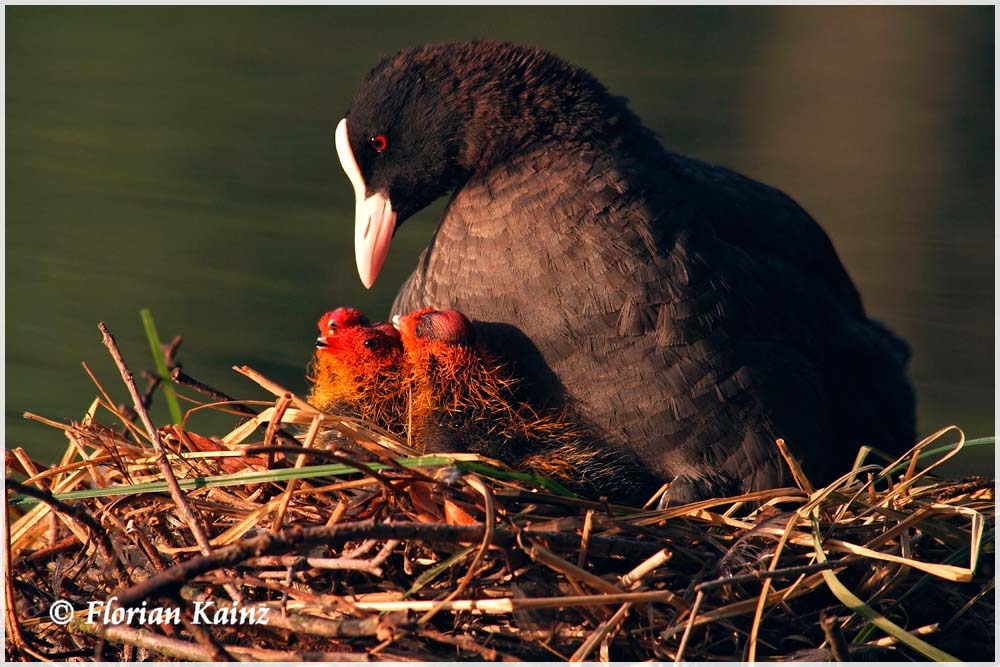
(182, 159)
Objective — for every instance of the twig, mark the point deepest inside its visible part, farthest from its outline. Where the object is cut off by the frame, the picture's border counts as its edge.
(384, 553)
(893, 641)
(634, 577)
(300, 461)
(280, 406)
(793, 464)
(127, 421)
(488, 654)
(632, 580)
(834, 637)
(371, 565)
(600, 633)
(689, 626)
(968, 605)
(765, 589)
(216, 652)
(358, 564)
(325, 627)
(490, 510)
(192, 520)
(11, 621)
(80, 514)
(296, 539)
(180, 377)
(540, 554)
(46, 554)
(18, 460)
(782, 572)
(588, 524)
(510, 605)
(360, 550)
(176, 648)
(153, 379)
(293, 539)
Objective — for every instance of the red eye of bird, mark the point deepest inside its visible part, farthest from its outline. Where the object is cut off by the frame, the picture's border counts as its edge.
(372, 344)
(379, 143)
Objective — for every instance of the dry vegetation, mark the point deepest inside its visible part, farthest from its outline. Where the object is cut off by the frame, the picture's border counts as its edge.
(363, 550)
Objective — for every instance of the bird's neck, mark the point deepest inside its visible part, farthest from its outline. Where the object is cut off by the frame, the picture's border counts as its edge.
(511, 115)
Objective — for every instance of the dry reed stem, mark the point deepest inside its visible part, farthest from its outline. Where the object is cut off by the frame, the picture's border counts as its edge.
(109, 405)
(793, 464)
(510, 605)
(766, 587)
(600, 633)
(300, 461)
(631, 580)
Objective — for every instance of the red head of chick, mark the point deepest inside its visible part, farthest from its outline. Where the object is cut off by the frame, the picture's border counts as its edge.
(340, 318)
(358, 368)
(463, 401)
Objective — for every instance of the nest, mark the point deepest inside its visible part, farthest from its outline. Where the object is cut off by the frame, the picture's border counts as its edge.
(302, 535)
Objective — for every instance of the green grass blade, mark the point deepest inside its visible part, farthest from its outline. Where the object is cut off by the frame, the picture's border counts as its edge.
(855, 604)
(959, 556)
(432, 573)
(161, 365)
(989, 441)
(549, 485)
(256, 477)
(284, 474)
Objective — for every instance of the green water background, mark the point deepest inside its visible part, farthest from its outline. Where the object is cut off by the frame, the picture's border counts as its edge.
(182, 159)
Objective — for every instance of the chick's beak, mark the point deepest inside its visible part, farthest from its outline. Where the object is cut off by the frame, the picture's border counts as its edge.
(404, 324)
(374, 219)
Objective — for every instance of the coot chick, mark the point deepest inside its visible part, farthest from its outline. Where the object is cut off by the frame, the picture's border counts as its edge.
(358, 370)
(460, 400)
(689, 314)
(463, 400)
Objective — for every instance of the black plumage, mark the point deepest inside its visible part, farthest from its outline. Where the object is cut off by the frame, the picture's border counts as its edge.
(681, 310)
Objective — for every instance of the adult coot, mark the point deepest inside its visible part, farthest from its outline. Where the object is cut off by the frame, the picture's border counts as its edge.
(683, 311)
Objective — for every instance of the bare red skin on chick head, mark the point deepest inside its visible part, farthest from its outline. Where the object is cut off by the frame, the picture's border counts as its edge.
(435, 328)
(357, 370)
(440, 339)
(340, 318)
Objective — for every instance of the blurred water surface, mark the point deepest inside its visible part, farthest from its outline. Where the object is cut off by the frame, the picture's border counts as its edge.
(182, 159)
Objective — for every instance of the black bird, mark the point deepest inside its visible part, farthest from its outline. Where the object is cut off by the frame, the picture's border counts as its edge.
(683, 311)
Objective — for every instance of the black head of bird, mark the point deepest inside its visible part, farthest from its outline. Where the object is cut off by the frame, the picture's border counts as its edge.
(427, 119)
